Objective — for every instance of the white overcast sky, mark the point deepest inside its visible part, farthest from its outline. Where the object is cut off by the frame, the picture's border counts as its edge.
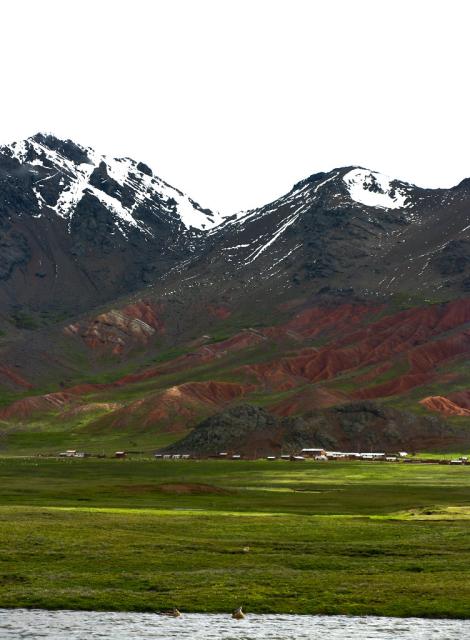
(233, 101)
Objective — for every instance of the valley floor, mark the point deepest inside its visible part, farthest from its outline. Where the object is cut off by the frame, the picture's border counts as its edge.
(350, 538)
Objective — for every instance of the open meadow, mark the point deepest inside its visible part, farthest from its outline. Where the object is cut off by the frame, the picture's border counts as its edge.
(337, 537)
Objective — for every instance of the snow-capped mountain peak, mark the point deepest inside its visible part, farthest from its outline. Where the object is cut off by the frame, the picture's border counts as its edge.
(63, 173)
(375, 189)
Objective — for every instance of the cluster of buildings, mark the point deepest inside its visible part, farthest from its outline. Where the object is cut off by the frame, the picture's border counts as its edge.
(321, 455)
(73, 453)
(316, 454)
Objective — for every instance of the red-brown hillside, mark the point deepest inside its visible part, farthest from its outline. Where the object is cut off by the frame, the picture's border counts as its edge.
(379, 353)
(313, 397)
(326, 320)
(413, 334)
(12, 379)
(444, 406)
(26, 407)
(178, 407)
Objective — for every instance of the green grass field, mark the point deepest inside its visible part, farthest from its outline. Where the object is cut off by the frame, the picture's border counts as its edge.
(355, 538)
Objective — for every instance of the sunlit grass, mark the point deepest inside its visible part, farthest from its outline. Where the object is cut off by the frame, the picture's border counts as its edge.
(351, 538)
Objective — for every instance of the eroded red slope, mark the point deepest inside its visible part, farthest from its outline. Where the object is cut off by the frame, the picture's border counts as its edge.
(414, 334)
(444, 406)
(178, 407)
(352, 340)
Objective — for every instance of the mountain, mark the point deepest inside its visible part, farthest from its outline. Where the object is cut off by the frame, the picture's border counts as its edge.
(349, 232)
(129, 314)
(78, 228)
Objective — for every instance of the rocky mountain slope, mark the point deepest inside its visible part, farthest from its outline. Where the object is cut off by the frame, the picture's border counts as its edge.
(350, 232)
(128, 311)
(78, 228)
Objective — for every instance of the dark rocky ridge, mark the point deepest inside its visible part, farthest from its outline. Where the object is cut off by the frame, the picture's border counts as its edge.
(364, 426)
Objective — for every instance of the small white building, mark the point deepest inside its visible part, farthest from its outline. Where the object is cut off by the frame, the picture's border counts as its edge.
(372, 456)
(312, 453)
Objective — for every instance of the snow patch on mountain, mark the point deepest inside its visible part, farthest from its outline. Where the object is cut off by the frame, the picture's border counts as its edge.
(374, 189)
(190, 215)
(17, 150)
(70, 196)
(119, 169)
(120, 212)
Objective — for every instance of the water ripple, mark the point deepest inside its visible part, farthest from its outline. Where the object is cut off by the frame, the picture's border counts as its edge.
(22, 624)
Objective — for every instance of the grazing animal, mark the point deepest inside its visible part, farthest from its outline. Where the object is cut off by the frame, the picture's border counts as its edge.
(238, 614)
(172, 613)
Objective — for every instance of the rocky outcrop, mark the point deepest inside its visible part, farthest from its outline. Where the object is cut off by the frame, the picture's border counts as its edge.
(363, 426)
(241, 429)
(119, 329)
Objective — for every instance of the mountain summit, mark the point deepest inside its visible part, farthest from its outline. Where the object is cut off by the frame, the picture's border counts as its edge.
(77, 228)
(351, 231)
(66, 173)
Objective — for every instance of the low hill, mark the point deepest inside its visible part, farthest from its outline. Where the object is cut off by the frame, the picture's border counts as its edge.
(362, 426)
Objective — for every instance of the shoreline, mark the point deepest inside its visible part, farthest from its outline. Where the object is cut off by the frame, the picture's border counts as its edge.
(227, 614)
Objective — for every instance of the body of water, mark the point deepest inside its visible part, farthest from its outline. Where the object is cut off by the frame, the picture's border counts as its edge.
(90, 625)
